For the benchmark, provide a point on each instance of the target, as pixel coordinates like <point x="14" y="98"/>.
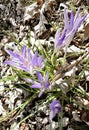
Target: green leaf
<point x="4" y="79"/>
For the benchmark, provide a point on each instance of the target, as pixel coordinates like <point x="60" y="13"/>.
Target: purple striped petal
<point x="52" y="115"/>
<point x="47" y="85"/>
<point x="29" y="55"/>
<point x="11" y="63"/>
<point x="34" y="59"/>
<point x="15" y="64"/>
<point x="57" y="35"/>
<point x="47" y="77"/>
<point x="69" y="38"/>
<point x="40" y="78"/>
<point x="15" y="55"/>
<point x="70" y="28"/>
<point x="39" y="61"/>
<point x="66" y="19"/>
<point x="37" y="85"/>
<point x="29" y="80"/>
<point x="79" y="21"/>
<point x="55" y="107"/>
<point x="41" y="92"/>
<point x="60" y="42"/>
<point x="11" y="53"/>
<point x="24" y="51"/>
<point x="71" y="21"/>
<point x="24" y="68"/>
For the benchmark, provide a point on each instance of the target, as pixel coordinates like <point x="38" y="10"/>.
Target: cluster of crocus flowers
<point x="25" y="60"/>
<point x="70" y="28"/>
<point x="42" y="83"/>
<point x="55" y="107"/>
<point x="31" y="62"/>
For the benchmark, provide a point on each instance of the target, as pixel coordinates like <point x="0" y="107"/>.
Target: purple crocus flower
<point x="55" y="107"/>
<point x="42" y="83"/>
<point x="25" y="60"/>
<point x="70" y="28"/>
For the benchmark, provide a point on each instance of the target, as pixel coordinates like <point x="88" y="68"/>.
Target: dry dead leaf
<point x="77" y="2"/>
<point x="86" y="32"/>
<point x="87" y="2"/>
<point x="86" y="102"/>
<point x="23" y="126"/>
<point x="40" y="2"/>
<point x="84" y="115"/>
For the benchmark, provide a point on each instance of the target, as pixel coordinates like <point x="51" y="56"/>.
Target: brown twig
<point x="66" y="68"/>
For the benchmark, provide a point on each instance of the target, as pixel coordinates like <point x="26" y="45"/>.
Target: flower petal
<point x="41" y="92"/>
<point x="39" y="61"/>
<point x="77" y="14"/>
<point x="66" y="19"/>
<point x="60" y="41"/>
<point x="40" y="78"/>
<point x="47" y="85"/>
<point x="24" y="51"/>
<point x="57" y="35"/>
<point x="47" y="77"/>
<point x="11" y="53"/>
<point x="71" y="21"/>
<point x="29" y="55"/>
<point x="37" y="85"/>
<point x="34" y="59"/>
<point x="52" y="115"/>
<point x="55" y="107"/>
